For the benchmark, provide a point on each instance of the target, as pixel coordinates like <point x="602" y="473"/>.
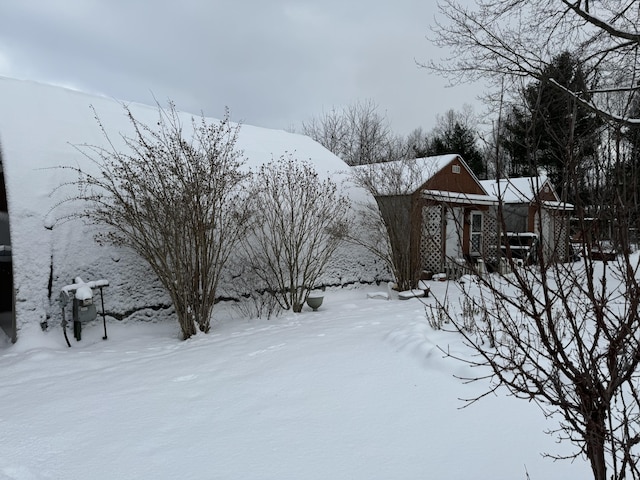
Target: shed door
<point x="453" y="232"/>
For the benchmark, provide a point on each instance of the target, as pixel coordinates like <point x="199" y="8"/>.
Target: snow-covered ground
<point x="356" y="390"/>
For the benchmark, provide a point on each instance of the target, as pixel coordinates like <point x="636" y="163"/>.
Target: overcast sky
<point x="274" y="63"/>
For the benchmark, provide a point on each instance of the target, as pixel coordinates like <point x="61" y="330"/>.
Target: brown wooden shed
<point x="442" y="207"/>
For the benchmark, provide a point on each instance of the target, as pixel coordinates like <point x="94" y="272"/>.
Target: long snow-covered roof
<point x="35" y="116"/>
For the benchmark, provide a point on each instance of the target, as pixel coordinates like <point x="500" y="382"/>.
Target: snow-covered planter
<point x="315" y="301"/>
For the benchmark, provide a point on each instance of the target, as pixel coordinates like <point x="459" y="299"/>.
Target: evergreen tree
<point x="551" y="130"/>
<point x="453" y="136"/>
<point x="513" y="139"/>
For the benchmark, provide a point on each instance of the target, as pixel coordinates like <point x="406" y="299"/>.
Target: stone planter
<point x="315" y="301"/>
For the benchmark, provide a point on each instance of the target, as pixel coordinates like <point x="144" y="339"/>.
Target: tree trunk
<point x="187" y="325"/>
<point x="185" y="318"/>
<point x="595" y="438"/>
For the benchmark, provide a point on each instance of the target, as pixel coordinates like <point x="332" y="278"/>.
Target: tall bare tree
<point x="174" y="194"/>
<point x="519" y="38"/>
<point x="358" y="134"/>
<point x="565" y="335"/>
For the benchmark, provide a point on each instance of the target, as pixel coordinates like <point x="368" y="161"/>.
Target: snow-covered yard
<point x="356" y="390"/>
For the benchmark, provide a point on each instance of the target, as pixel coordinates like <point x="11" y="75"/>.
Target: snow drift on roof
<point x="403" y="177"/>
<point x="515" y="190"/>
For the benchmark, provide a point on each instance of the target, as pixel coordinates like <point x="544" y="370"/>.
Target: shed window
<point x="476" y="233"/>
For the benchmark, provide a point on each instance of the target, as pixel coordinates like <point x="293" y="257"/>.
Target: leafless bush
<point x="254" y="301"/>
<point x="299" y="222"/>
<point x="437" y="315"/>
<point x="565" y="335"/>
<point x="176" y="199"/>
<point x="385" y="227"/>
<point x="569" y="342"/>
<point x="259" y="305"/>
<point x="470" y="310"/>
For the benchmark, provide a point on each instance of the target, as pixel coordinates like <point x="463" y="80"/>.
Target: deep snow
<point x="356" y="390"/>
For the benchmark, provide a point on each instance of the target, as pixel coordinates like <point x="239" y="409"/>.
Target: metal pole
<point x="64" y="328"/>
<point x="104" y="319"/>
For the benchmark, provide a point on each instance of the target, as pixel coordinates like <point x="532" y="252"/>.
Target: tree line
<point x="359" y="134"/>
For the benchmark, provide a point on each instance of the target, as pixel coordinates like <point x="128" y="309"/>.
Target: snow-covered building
<point x="39" y="126"/>
<point x="442" y="205"/>
<point x="531" y="205"/>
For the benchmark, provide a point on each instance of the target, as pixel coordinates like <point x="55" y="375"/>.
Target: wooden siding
<point x="547" y="194"/>
<point x="447" y="180"/>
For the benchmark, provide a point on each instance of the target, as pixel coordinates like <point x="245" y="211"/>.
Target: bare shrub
<point x="252" y="301"/>
<point x="436" y="315"/>
<point x="176" y="199"/>
<point x="299" y="222"/>
<point x="385" y="227"/>
<point x="565" y="335"/>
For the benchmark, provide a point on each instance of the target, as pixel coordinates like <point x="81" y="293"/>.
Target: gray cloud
<point x="275" y="63"/>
